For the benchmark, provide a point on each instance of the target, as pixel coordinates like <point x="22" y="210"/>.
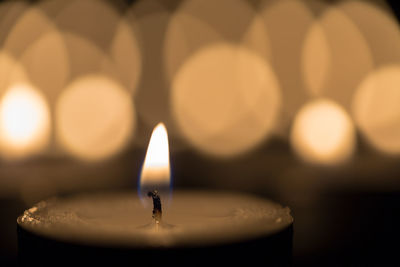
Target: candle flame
<point x="155" y="173"/>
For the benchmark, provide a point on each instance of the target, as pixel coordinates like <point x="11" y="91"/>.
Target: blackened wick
<point x="157" y="211"/>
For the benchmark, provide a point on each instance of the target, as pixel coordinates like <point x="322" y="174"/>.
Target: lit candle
<point x="195" y="227"/>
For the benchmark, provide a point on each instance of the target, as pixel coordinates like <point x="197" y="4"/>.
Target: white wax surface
<point x="193" y="218"/>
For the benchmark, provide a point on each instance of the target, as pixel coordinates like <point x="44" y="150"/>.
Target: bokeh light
<point x="198" y="23"/>
<point x="30" y="25"/>
<point x="152" y="49"/>
<point x="376" y="109"/>
<point x="379" y="28"/>
<point x="285" y="36"/>
<point x="46" y="64"/>
<point x="126" y="54"/>
<point x="335" y="58"/>
<point x="323" y="133"/>
<point x="8" y="69"/>
<point x="24" y="121"/>
<point x="86" y="57"/>
<point x="316" y="59"/>
<point x="151" y="98"/>
<point x="10" y="12"/>
<point x="92" y="19"/>
<point x="225" y="100"/>
<point x="193" y="25"/>
<point x="94" y="118"/>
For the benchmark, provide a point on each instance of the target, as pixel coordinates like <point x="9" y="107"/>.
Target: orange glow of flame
<point x="155" y="173"/>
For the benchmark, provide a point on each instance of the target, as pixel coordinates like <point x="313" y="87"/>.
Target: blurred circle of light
<point x="92" y="19"/>
<point x="316" y="59"/>
<point x="85" y="57"/>
<point x="26" y="30"/>
<point x="376" y="109"/>
<point x="113" y="50"/>
<point x="285" y="35"/>
<point x="198" y="23"/>
<point x="378" y="26"/>
<point x="7" y="66"/>
<point x="335" y="57"/>
<point x="94" y="118"/>
<point x="24" y="121"/>
<point x="322" y="133"/>
<point x="225" y="100"/>
<point x="46" y="64"/>
<point x="152" y="94"/>
<point x="10" y="13"/>
<point x="126" y="54"/>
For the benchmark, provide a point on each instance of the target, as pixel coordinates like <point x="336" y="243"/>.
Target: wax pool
<point x="115" y="226"/>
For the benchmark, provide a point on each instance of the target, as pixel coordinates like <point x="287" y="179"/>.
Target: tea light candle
<point x="195" y="228"/>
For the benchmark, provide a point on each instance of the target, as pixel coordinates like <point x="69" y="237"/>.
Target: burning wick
<point x="157" y="212"/>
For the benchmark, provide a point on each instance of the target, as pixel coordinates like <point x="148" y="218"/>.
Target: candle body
<point x="197" y="227"/>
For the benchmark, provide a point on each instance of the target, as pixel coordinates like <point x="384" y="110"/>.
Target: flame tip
<point x="160" y="125"/>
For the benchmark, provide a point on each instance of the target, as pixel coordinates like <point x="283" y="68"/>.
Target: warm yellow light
<point x="126" y="55"/>
<point x="24" y="121"/>
<point x="94" y="118"/>
<point x="46" y="64"/>
<point x="27" y="27"/>
<point x="11" y="71"/>
<point x="335" y="56"/>
<point x="156" y="168"/>
<point x="225" y="100"/>
<point x="323" y="133"/>
<point x="379" y="28"/>
<point x="376" y="109"/>
<point x="285" y="37"/>
<point x="152" y="92"/>
<point x="197" y="23"/>
<point x="82" y="18"/>
<point x="316" y="59"/>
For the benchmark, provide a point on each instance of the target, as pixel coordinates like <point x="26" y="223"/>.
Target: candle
<point x="191" y="228"/>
